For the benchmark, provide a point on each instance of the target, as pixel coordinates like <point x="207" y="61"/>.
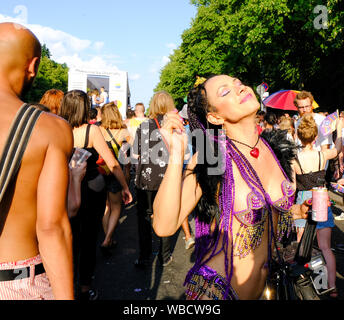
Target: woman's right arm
<point x="177" y="195"/>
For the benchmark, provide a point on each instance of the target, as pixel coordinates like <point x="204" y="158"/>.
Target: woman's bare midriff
<point x="250" y="272"/>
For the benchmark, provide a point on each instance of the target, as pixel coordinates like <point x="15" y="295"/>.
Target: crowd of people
<point x="219" y="159"/>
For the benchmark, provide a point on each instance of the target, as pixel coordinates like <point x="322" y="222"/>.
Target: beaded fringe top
<point x="252" y="220"/>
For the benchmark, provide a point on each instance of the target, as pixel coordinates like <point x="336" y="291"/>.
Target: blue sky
<point x="134" y="35"/>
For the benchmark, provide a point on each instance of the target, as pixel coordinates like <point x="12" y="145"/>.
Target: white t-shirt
<point x="94" y="101"/>
<point x="104" y="95"/>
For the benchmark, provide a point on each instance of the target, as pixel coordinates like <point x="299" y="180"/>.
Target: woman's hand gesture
<point x="173" y="132"/>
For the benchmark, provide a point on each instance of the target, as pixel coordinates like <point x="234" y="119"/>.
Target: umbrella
<point x="284" y="100"/>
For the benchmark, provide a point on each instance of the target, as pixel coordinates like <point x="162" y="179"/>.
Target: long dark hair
<point x="75" y="108"/>
<point x="198" y="107"/>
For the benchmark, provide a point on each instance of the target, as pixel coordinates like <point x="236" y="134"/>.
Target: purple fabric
<point x="207" y="272"/>
<point x="211" y="275"/>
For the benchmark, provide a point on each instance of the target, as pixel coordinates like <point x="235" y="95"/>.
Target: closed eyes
<point x="225" y="92"/>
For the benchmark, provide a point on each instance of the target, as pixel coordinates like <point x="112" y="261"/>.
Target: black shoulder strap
<point x="113" y="138"/>
<point x="319" y="160"/>
<point x="87" y="135"/>
<point x="17" y="140"/>
<point x="298" y="162"/>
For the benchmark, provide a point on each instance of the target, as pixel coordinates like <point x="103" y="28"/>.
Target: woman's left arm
<point x="299" y="211"/>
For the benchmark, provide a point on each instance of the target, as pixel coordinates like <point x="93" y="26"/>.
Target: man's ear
<point x="33" y="67"/>
<point x="215" y="119"/>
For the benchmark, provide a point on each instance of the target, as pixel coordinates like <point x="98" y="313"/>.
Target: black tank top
<point x="91" y="169"/>
<point x="308" y="181"/>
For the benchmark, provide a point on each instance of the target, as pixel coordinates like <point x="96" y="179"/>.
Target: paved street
<point x="117" y="278"/>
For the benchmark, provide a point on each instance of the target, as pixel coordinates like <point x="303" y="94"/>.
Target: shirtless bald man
<point x="36" y="231"/>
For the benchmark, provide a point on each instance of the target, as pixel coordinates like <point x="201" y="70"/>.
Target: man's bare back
<point x="35" y="209"/>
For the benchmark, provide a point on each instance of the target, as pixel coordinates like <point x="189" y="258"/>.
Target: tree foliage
<point x="274" y="41"/>
<point x="51" y="75"/>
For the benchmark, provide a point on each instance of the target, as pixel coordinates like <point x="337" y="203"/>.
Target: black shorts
<point x="112" y="184"/>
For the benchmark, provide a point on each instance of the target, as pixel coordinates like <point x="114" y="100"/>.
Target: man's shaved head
<point x="20" y="53"/>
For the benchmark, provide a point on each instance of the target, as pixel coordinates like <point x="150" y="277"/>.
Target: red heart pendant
<point x="254" y="152"/>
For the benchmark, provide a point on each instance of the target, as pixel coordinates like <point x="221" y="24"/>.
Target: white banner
<point x="114" y="82"/>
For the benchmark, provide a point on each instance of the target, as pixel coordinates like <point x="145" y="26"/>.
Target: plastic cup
<point x="79" y="156"/>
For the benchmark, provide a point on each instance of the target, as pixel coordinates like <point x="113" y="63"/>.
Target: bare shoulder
<point x="55" y="130"/>
<point x="96" y="129"/>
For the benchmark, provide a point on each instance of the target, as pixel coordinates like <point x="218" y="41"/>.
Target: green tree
<point x="271" y="40"/>
<point x="51" y="75"/>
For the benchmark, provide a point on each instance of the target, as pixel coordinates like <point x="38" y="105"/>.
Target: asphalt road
<point x="117" y="278"/>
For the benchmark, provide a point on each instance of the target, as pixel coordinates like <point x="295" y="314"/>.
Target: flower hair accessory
<point x="199" y="81"/>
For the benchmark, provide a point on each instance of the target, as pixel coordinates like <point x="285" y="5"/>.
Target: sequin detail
<point x="207" y="281"/>
<point x="252" y="220"/>
<point x="285" y="203"/>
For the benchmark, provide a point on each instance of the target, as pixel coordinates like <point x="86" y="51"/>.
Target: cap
<point x="184" y="112"/>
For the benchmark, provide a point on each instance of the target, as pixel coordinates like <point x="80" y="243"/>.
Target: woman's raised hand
<point x="174" y="134"/>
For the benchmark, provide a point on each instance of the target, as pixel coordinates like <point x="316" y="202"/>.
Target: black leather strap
<point x="87" y="137"/>
<point x="20" y="273"/>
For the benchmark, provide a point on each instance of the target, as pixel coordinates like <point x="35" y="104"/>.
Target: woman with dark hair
<point x="242" y="203"/>
<point x="270" y="121"/>
<point x="75" y="109"/>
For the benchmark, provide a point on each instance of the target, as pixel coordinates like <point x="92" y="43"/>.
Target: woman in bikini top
<point x="242" y="202"/>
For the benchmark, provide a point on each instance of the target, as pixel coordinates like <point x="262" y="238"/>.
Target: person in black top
<point x="75" y="109"/>
<point x="309" y="170"/>
<point x="152" y="153"/>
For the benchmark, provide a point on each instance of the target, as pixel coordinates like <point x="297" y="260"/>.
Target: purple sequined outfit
<point x="203" y="280"/>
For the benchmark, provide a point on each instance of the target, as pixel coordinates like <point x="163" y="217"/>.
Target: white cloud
<point x="59" y="42"/>
<point x="159" y="64"/>
<point x="164" y="60"/>
<point x="171" y="46"/>
<point x="134" y="77"/>
<point x="65" y="47"/>
<point x="95" y="62"/>
<point x="21" y="17"/>
<point x="98" y="45"/>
